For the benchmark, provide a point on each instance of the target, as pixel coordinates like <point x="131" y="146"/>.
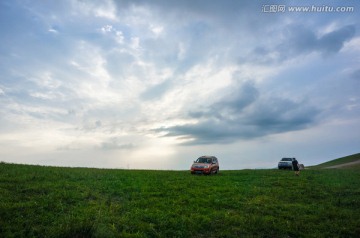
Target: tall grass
<point x="63" y="202"/>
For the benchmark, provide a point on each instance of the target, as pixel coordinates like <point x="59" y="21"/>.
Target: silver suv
<point x="285" y="163"/>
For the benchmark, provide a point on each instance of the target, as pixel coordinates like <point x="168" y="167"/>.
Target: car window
<point x="201" y="160"/>
<point x="206" y="160"/>
<point x="286" y="159"/>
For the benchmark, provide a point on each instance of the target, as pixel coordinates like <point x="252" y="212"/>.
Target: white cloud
<point x="119" y="37"/>
<point x="181" y="51"/>
<point x="53" y="30"/>
<point x="157" y="30"/>
<point x="107" y="28"/>
<point x="135" y="43"/>
<point x="102" y="9"/>
<point x="46" y="80"/>
<point x="352" y="45"/>
<point x="92" y="78"/>
<point x="115" y="143"/>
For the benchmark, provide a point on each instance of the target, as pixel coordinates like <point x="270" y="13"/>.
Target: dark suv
<point x="205" y="165"/>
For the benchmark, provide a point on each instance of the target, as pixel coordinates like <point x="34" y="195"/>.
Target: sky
<point x="136" y="84"/>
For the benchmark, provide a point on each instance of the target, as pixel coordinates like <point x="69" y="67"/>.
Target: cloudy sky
<point x="155" y="84"/>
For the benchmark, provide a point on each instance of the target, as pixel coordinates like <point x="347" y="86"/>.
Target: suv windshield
<point x="286" y="159"/>
<point x="203" y="160"/>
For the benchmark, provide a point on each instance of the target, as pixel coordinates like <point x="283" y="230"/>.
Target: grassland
<point x="340" y="161"/>
<point x="40" y="201"/>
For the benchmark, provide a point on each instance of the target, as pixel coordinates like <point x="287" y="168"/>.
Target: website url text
<point x="313" y="8"/>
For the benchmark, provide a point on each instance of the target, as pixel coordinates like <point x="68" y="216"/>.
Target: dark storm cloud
<point x="332" y="42"/>
<point x="234" y="101"/>
<point x="274" y="115"/>
<point x="244" y="114"/>
<point x="300" y="40"/>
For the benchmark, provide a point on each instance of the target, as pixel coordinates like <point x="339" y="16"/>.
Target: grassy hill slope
<point x="340" y="161"/>
<point x="77" y="202"/>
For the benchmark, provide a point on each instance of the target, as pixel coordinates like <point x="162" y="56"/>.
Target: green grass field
<point x="339" y="161"/>
<point x="40" y="201"/>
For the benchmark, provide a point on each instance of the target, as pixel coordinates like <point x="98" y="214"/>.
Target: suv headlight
<point x="206" y="166"/>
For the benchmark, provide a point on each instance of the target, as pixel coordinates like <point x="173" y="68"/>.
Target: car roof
<point x="208" y="157"/>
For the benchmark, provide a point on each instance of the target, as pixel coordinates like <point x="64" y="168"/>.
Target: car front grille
<point x="199" y="167"/>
